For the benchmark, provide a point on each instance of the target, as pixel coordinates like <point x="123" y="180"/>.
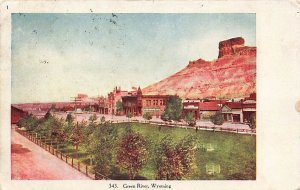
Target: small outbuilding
<point x="17" y="114"/>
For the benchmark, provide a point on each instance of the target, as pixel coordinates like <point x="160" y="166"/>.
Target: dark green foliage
<point x="235" y="153"/>
<point x="77" y="135"/>
<point x="217" y="118"/>
<point x="147" y="116"/>
<point x="102" y="119"/>
<point x="253" y="121"/>
<point x="119" y="107"/>
<point x="45" y="126"/>
<point x="189" y="118"/>
<point x="173" y="109"/>
<point x="29" y="122"/>
<point x="70" y="118"/>
<point x="100" y="143"/>
<point x="93" y="118"/>
<point x="129" y="115"/>
<point x="132" y="153"/>
<point x="48" y="115"/>
<point x="175" y="161"/>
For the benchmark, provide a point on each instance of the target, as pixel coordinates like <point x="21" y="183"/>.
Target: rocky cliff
<point x="232" y="75"/>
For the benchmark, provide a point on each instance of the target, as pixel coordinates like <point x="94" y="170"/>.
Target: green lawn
<point x="234" y="153"/>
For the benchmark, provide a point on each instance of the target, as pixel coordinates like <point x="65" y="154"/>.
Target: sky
<point x="57" y="56"/>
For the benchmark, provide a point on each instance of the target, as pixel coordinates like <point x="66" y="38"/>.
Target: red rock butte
<point x="232" y="75"/>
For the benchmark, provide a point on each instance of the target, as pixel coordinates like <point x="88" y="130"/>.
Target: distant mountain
<point x="232" y="75"/>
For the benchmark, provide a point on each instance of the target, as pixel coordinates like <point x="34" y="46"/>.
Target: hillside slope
<point x="232" y="75"/>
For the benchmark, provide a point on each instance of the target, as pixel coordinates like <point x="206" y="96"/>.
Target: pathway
<point x="31" y="162"/>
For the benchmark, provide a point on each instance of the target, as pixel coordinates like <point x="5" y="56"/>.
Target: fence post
<point x="60" y="155"/>
<point x="66" y="158"/>
<point x="78" y="166"/>
<point x="72" y="163"/>
<point x="86" y="170"/>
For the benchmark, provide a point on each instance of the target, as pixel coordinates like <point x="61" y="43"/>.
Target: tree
<point x="217" y="118"/>
<point x="103" y="147"/>
<point x="173" y="109"/>
<point x="147" y="116"/>
<point x="129" y="115"/>
<point x="77" y="136"/>
<point x="70" y="118"/>
<point x="189" y="118"/>
<point x="45" y="126"/>
<point x="102" y="119"/>
<point x="48" y="115"/>
<point x="253" y="121"/>
<point x="132" y="153"/>
<point x="175" y="161"/>
<point x="119" y="107"/>
<point x="93" y="118"/>
<point x="29" y="122"/>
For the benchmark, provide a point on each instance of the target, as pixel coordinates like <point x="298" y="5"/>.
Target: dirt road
<point x="31" y="162"/>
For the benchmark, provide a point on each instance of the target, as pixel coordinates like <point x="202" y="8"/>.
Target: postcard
<point x="150" y="95"/>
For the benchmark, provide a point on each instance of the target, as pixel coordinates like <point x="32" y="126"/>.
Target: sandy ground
<point x="31" y="162"/>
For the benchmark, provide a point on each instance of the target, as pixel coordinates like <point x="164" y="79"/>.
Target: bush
<point x="189" y="118"/>
<point x="29" y="122"/>
<point x="102" y="119"/>
<point x="253" y="121"/>
<point x="147" y="116"/>
<point x="217" y="118"/>
<point x="129" y="115"/>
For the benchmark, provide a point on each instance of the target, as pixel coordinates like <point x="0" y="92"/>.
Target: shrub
<point x="147" y="116"/>
<point x="189" y="118"/>
<point x="217" y="118"/>
<point x="253" y="121"/>
<point x="129" y="115"/>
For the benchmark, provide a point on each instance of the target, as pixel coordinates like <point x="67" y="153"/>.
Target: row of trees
<point x="112" y="152"/>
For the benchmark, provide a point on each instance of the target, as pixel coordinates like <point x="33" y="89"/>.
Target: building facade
<point x="112" y="99"/>
<point x="139" y="104"/>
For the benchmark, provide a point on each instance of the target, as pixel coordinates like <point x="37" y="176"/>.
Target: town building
<point x="139" y="104"/>
<point x="238" y="110"/>
<point x="191" y="106"/>
<point x="201" y="110"/>
<point x="16" y="114"/>
<point x="113" y="97"/>
<point x="207" y="109"/>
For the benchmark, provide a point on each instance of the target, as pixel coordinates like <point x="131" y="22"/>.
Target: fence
<point x="200" y="127"/>
<point x="74" y="163"/>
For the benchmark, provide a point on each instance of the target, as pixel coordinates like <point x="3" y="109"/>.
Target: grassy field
<point x="233" y="154"/>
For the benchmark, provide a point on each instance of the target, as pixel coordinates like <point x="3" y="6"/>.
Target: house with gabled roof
<point x="207" y="109"/>
<point x="232" y="111"/>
